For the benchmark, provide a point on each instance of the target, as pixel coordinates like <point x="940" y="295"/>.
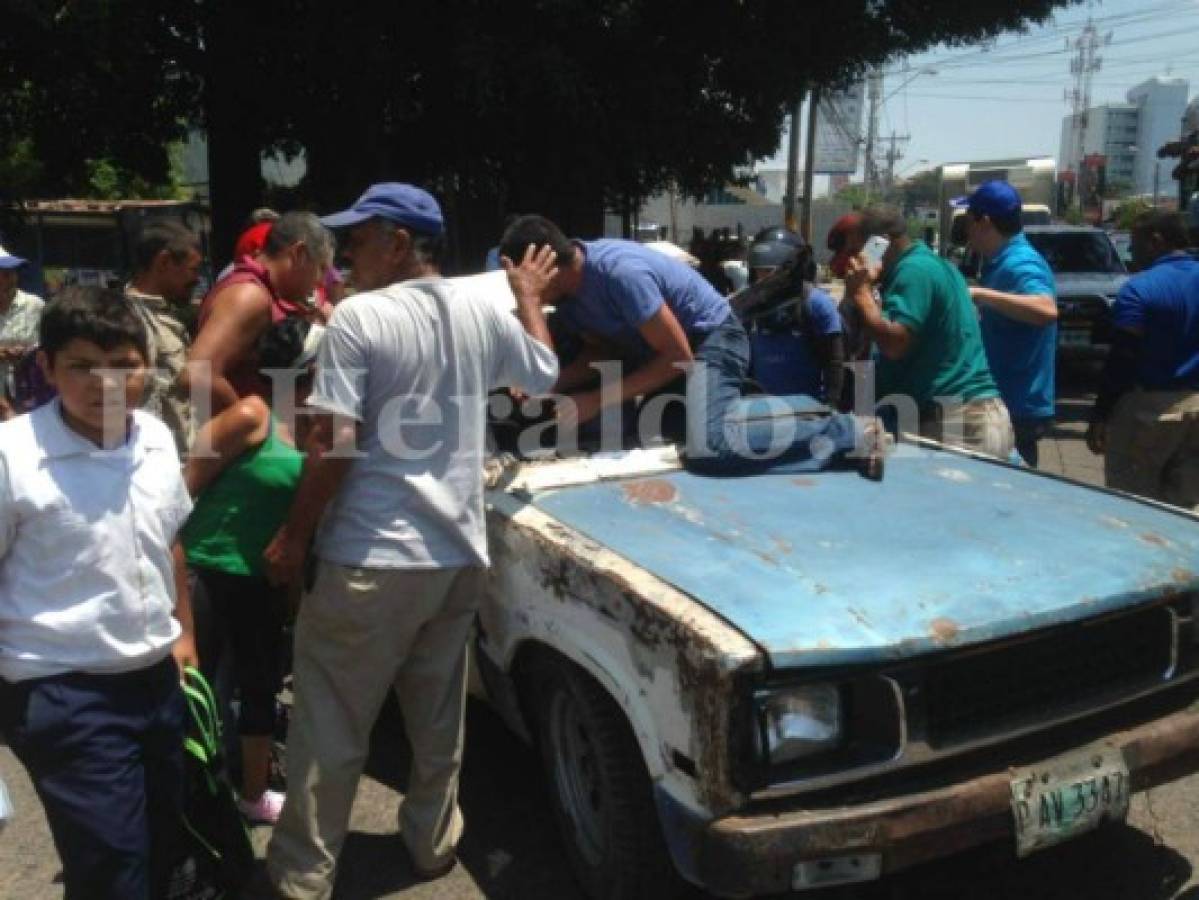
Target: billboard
<point x="839" y="130"/>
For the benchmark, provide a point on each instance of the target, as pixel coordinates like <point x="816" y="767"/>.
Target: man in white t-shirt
<point x="396" y="482"/>
<point x="20" y="313"/>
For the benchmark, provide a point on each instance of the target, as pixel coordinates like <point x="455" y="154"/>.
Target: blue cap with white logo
<point x="404" y="204"/>
<point x="996" y="199"/>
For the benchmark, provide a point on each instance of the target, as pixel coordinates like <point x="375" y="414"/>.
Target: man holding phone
<point x="928" y="337"/>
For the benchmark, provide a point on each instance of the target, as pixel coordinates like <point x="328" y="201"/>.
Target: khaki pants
<point x="361" y="632"/>
<point x="1153" y="446"/>
<point x="983" y="426"/>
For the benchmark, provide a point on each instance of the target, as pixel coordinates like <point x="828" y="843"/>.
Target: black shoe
<point x="436" y="872"/>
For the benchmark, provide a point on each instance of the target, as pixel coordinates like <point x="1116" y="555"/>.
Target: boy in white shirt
<point x="93" y="603"/>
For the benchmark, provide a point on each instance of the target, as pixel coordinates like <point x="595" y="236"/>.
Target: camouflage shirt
<point x="168" y="342"/>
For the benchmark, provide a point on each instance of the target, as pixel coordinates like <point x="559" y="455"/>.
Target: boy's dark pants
<point x="105" y="753"/>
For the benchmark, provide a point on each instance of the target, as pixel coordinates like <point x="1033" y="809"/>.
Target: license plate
<point x="1068" y="796"/>
<point x="1077" y="338"/>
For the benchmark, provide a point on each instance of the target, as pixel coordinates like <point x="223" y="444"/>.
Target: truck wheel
<point x="600" y="789"/>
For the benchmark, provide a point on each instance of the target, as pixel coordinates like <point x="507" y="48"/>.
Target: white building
<point x="1128" y="134"/>
<point x="1163" y="102"/>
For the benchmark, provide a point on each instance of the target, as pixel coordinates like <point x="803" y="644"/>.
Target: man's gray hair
<point x="885" y="220"/>
<point x="429" y="249"/>
<point x="300" y="228"/>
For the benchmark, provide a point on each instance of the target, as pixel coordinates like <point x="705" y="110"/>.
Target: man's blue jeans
<point x="731" y="435"/>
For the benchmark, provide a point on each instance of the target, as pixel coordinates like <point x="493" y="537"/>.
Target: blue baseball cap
<point x="8" y="261"/>
<point x="996" y="199"/>
<point x="404" y="204"/>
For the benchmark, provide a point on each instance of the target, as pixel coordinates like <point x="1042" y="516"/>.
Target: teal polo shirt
<point x="1022" y="356"/>
<point x="928" y="296"/>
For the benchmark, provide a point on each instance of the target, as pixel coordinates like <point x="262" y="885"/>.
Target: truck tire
<point x="599" y="788"/>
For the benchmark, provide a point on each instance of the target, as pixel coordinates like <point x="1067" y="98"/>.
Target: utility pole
<point x="789" y="197"/>
<point x="1083" y="66"/>
<point x="893" y="155"/>
<point x="874" y="96"/>
<point x="809" y="171"/>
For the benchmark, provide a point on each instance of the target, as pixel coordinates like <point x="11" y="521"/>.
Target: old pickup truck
<point x="789" y="682"/>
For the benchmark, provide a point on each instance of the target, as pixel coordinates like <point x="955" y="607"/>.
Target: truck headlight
<point x="798" y="722"/>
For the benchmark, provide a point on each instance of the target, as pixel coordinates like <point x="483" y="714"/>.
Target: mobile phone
<point x="874" y="250"/>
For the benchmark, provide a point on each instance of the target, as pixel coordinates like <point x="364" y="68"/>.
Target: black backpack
<point x="214" y="857"/>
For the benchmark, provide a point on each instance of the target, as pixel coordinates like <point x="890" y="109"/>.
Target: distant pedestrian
<point x="1146" y="417"/>
<point x="167" y="262"/>
<point x="241" y="307"/>
<point x="929" y="340"/>
<point x="20" y="313"/>
<point x="94" y="605"/>
<point x="1017" y="302"/>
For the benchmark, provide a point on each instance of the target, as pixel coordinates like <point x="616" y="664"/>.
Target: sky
<point x="1007" y="99"/>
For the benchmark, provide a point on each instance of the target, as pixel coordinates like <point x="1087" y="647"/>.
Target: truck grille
<point x="1047" y="676"/>
<point x="1083" y="307"/>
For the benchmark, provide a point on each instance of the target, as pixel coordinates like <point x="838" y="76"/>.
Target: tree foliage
<point x="560" y="105"/>
<point x="921" y="189"/>
<point x="1127" y="212"/>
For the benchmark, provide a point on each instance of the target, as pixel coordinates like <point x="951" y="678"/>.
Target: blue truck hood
<point x="831" y="569"/>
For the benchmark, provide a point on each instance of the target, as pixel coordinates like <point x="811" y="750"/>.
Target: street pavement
<point x="512" y="849"/>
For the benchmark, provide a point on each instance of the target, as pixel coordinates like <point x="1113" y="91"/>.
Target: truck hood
<point x="832" y="569"/>
<point x="1073" y="283"/>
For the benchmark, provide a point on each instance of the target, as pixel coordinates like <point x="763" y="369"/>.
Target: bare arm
<point x="331" y="448"/>
<point x="529" y="282"/>
<point x="672" y="357"/>
<point x="227" y="337"/>
<point x="893" y="339"/>
<point x="223" y="438"/>
<point x="1032" y="309"/>
<point x="184" y="650"/>
<point x="578" y="373"/>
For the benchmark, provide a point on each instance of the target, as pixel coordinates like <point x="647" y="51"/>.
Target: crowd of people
<point x="309" y="442"/>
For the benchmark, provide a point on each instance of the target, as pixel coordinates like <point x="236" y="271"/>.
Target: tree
<point x="855" y="196"/>
<point x="564" y="106"/>
<point x="1126" y="213"/>
<point x="921" y="189"/>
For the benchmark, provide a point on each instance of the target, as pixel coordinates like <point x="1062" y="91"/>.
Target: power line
<point x="1048" y="34"/>
<point x="1011" y="99"/>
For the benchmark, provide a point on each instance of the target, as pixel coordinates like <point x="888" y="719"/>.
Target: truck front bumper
<point x="748" y="855"/>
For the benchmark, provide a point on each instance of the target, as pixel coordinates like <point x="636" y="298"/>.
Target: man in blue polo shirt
<point x="661" y="319"/>
<point x="1146" y="417"/>
<point x="1018" y="307"/>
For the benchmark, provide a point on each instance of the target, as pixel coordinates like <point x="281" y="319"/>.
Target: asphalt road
<point x="511" y="847"/>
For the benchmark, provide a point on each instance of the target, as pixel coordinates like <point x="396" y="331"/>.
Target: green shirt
<point x="946" y="358"/>
<point x="238" y="514"/>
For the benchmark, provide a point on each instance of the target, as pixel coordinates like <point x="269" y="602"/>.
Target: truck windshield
<point x="1077" y="251"/>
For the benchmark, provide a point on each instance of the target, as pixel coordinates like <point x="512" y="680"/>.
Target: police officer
<point x="796" y="333"/>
